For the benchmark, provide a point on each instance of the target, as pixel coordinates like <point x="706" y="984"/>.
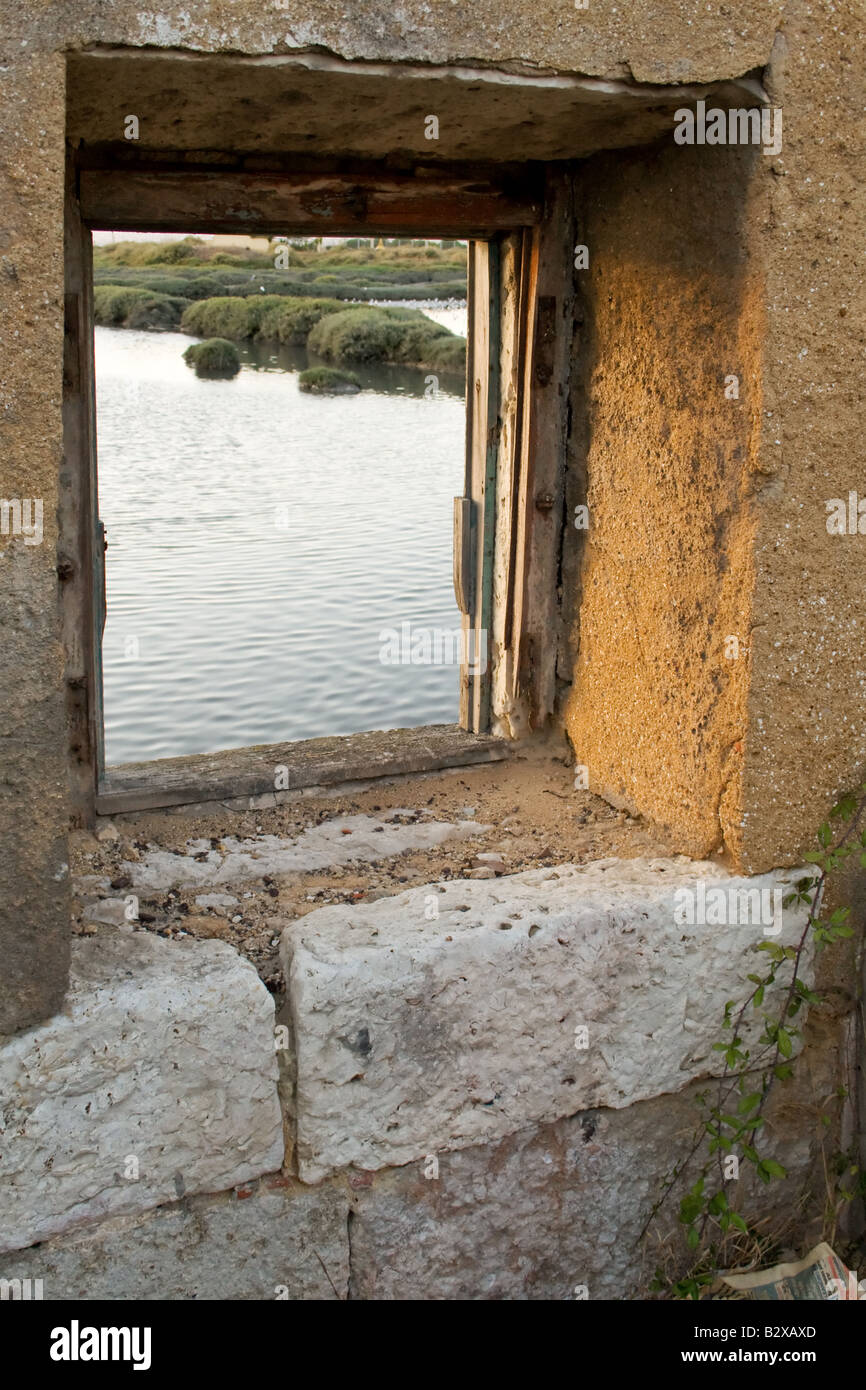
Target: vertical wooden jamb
<point x="536" y="461"/>
<point x="466" y="609"/>
<point x="97" y="531"/>
<point x="477" y="356"/>
<point x="483" y="650"/>
<point x="521" y="461"/>
<point x="511" y="248"/>
<point x="544" y="495"/>
<point x="482" y="436"/>
<point x="79" y="566"/>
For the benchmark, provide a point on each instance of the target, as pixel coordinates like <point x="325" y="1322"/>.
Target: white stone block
<point x="157" y="1080"/>
<point x="542" y="1212"/>
<point x="275" y="1241"/>
<point x="418" y="1032"/>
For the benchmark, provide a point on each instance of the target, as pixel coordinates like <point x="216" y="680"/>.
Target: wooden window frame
<point x="508" y="521"/>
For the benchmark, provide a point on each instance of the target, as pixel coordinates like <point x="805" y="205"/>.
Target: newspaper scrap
<point x="819" y="1276"/>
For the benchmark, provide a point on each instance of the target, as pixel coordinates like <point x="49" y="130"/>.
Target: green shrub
<point x="291" y="322"/>
<point x="171" y="253"/>
<point x="153" y="279"/>
<point x="211" y="284"/>
<point x="111" y="303"/>
<point x="416" y="339"/>
<point x="258" y="306"/>
<point x="265" y="316"/>
<point x="227" y="317"/>
<point x="157" y="312"/>
<point x="214" y="357"/>
<point x="428" y="344"/>
<point x="195" y="281"/>
<point x="386" y="335"/>
<point x="356" y="335"/>
<point x="122" y="306"/>
<point x="331" y="329"/>
<point x="448" y="354"/>
<point x="329" y="381"/>
<point x="177" y="285"/>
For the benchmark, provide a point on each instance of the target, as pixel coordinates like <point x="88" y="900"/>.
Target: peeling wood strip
<point x="523" y="655"/>
<point x="519" y="424"/>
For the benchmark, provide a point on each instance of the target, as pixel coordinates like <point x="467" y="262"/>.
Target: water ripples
<point x="260" y="541"/>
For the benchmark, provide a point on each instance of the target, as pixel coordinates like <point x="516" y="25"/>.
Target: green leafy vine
<point x="732" y="1112"/>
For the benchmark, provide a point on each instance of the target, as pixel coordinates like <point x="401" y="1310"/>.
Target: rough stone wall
<point x="806" y="728"/>
<point x="666" y="462"/>
<point x="34" y="818"/>
<point x="651" y="42"/>
<point x="662" y="42"/>
<point x="444" y="1132"/>
<point x="789" y="704"/>
<point x="743" y="755"/>
<point x="795" y="714"/>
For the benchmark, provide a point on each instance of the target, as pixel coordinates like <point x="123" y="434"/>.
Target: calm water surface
<point x="261" y="540"/>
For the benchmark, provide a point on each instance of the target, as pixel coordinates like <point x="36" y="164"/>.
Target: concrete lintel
<point x="315" y="103"/>
<point x="514" y="74"/>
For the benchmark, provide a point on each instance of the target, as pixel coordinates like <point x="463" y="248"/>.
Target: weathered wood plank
<point x="463" y="553"/>
<point x="469" y="396"/>
<point x="292" y="767"/>
<point x="508" y="421"/>
<point x="548" y="427"/>
<point x="521" y="460"/>
<point x="482" y="432"/>
<point x="477" y="399"/>
<point x="531" y="509"/>
<point x="77" y="558"/>
<point x="487" y="461"/>
<point x="332" y="204"/>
